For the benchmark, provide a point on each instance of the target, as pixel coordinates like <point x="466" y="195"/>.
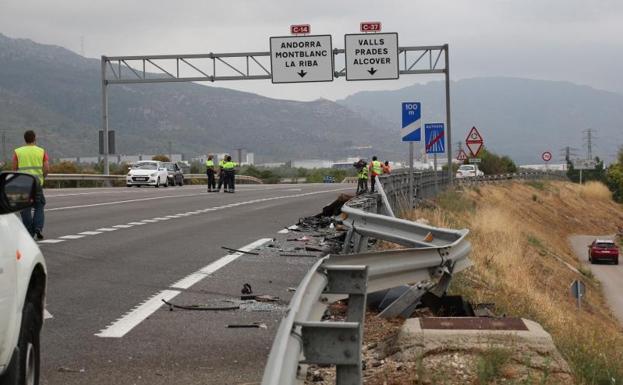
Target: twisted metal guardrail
<point x="432" y="255"/>
<point x="430" y="258"/>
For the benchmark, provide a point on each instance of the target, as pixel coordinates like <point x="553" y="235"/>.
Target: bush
<point x="160" y="157"/>
<point x="614" y="177"/>
<point x="492" y="163"/>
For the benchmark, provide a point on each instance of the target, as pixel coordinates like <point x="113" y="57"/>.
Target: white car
<point x="468" y="170"/>
<point x="147" y="173"/>
<point x="23" y="278"/>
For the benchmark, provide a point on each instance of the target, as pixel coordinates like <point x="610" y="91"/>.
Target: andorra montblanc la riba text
<point x="306" y="58"/>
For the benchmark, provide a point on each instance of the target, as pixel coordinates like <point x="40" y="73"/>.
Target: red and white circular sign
<point x="546" y="156"/>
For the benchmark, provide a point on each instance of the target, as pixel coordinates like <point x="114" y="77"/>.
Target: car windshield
<point x="146" y="166"/>
<point x="466" y="168"/>
<point x="170" y="166"/>
<point x="605" y="245"/>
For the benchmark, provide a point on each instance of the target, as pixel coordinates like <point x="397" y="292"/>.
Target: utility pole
<point x="170" y="152"/>
<point x="589" y="142"/>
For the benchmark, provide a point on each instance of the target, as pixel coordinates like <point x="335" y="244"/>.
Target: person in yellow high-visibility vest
<point x="210" y="171"/>
<point x="221" y="173"/>
<point x="230" y="175"/>
<point x="362" y="176"/>
<point x="33" y="160"/>
<point x="376" y="169"/>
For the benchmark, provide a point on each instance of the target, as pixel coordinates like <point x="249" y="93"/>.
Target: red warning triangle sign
<point x="474" y="141"/>
<point x="462" y="155"/>
<point x="474" y="136"/>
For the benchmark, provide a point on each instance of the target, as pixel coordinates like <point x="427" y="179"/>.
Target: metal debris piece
<point x="266" y="298"/>
<point x="298" y="255"/>
<point x="246" y="289"/>
<point x="258" y="325"/>
<point x="200" y="307"/>
<point x="239" y="251"/>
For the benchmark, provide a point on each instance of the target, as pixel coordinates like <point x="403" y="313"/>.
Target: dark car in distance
<point x="603" y="250"/>
<point x="174" y="174"/>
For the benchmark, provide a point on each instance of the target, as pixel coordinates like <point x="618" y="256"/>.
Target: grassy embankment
<point x="519" y="237"/>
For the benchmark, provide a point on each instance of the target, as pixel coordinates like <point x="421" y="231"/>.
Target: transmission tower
<point x="569" y="153"/>
<point x="589" y="141"/>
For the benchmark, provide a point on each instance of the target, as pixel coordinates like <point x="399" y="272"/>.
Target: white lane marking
<point x="124" y="201"/>
<point x="283" y="231"/>
<point x="205" y="271"/>
<point x="72" y="236"/>
<point x="90" y="233"/>
<point x="47" y="315"/>
<point x="175" y="216"/>
<point x="137" y="200"/>
<point x="129" y="321"/>
<point x="59" y="193"/>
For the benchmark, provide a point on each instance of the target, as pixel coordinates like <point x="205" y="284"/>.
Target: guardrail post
<point x="351" y="280"/>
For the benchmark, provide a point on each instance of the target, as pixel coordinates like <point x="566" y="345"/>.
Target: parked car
<point x="147" y="173"/>
<point x="603" y="250"/>
<point x="174" y="174"/>
<point x="23" y="278"/>
<point x="468" y="170"/>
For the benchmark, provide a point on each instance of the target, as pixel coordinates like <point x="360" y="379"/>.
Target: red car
<point x="603" y="250"/>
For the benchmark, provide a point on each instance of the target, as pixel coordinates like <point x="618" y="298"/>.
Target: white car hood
<point x="142" y="172"/>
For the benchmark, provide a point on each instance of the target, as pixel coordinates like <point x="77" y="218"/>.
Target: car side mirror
<point x="17" y="191"/>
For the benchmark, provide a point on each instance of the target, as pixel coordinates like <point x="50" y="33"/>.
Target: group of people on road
<point x="226" y="174"/>
<point x="370" y="171"/>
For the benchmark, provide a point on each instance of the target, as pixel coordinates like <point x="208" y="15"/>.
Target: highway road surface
<point x="114" y="253"/>
<point x="611" y="276"/>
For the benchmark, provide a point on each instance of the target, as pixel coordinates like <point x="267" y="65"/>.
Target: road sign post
<point x="371" y="56"/>
<point x="578" y="290"/>
<point x="411" y="132"/>
<point x="434" y="135"/>
<point x="301" y="59"/>
<point x="546" y="156"/>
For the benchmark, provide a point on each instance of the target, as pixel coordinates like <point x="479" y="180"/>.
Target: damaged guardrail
<point x="431" y="257"/>
<point x="122" y="178"/>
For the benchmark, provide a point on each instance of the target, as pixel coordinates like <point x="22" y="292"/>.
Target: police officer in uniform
<point x="210" y="170"/>
<point x="221" y="173"/>
<point x="229" y="169"/>
<point x="33" y="160"/>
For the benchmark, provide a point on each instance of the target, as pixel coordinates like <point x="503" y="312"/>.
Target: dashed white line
<point x="136" y="223"/>
<point x="52" y="241"/>
<point x="130" y="320"/>
<point x="72" y="236"/>
<point x="193" y="278"/>
<point x="123" y="226"/>
<point x="107" y="229"/>
<point x="90" y="233"/>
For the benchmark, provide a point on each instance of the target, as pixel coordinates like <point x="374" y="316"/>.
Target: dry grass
<point x="515" y="227"/>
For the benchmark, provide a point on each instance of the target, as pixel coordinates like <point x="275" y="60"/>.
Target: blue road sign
<point x="435" y="138"/>
<point x="411" y="122"/>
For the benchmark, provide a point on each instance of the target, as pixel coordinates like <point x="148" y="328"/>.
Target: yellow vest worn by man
<point x="30" y="160"/>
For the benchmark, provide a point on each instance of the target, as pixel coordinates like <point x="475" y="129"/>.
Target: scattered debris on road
<point x="258" y="325"/>
<point x="239" y="251"/>
<point x="200" y="307"/>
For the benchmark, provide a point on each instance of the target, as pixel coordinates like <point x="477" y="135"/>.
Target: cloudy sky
<point x="579" y="41"/>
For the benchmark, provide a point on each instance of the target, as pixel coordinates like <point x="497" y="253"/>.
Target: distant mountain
<point x="518" y="117"/>
<point x="57" y="92"/>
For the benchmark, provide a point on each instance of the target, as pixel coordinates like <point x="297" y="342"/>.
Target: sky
<point x="579" y="41"/>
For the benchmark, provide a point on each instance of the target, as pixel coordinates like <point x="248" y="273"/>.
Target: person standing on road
<point x="33" y="160"/>
<point x="210" y="171"/>
<point x="376" y="169"/>
<point x="221" y="173"/>
<point x="230" y="174"/>
<point x="387" y="169"/>
<point x="362" y="176"/>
